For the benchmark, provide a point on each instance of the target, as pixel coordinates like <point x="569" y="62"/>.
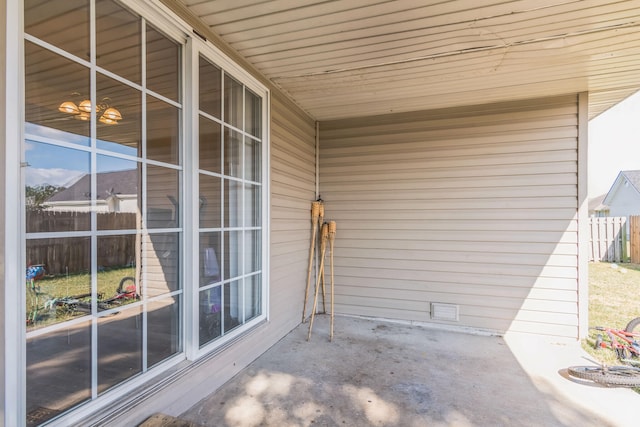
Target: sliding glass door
<point x="144" y="200"/>
<point x="103" y="189"/>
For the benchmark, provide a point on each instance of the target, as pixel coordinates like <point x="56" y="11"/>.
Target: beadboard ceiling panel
<point x="339" y="59"/>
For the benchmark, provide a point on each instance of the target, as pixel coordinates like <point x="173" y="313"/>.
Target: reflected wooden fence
<point x="634" y="233"/>
<point x="70" y="255"/>
<point x="608" y="240"/>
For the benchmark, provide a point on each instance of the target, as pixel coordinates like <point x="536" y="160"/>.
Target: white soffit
<point x="341" y="59"/>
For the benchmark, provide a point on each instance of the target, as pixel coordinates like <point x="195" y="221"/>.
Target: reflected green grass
<point x="40" y="299"/>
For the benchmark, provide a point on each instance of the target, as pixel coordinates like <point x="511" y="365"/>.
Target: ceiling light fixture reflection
<point x="107" y="115"/>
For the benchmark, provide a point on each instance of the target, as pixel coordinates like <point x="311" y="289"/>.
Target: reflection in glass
<point x="163" y="329"/>
<point x="210" y="251"/>
<point x="252" y="297"/>
<point x="209" y="90"/>
<point x="209" y="143"/>
<point x="161" y="259"/>
<point x="118" y="193"/>
<point x="210" y="314"/>
<point x="252" y="205"/>
<point x="163" y="197"/>
<point x="58" y="371"/>
<point x="122" y="135"/>
<point x="58" y="280"/>
<point x="252" y="251"/>
<point x="42" y="98"/>
<point x="232" y="102"/>
<point x="57" y="198"/>
<point x="252" y="160"/>
<point x="163" y="131"/>
<point x="210" y="201"/>
<point x="119" y="347"/>
<point x="118" y="275"/>
<point x="163" y="65"/>
<point x="232" y="203"/>
<point x="50" y="21"/>
<point x="232" y="153"/>
<point x="118" y="40"/>
<point x="232" y="254"/>
<point x="253" y="114"/>
<point x="232" y="305"/>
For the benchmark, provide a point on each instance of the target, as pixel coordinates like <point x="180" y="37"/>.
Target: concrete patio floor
<point x="378" y="373"/>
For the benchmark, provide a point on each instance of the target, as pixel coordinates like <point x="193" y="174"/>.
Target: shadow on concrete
<point x="376" y="373"/>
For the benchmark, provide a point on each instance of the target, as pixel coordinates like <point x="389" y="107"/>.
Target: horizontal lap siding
<point x="474" y="206"/>
<point x="292" y="190"/>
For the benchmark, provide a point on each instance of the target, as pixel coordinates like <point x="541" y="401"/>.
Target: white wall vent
<point x="442" y="311"/>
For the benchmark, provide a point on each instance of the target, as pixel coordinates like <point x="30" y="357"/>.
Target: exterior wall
<point x="625" y="201"/>
<point x="474" y="206"/>
<point x="293" y="157"/>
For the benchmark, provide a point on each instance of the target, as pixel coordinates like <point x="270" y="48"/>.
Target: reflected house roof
<point x="123" y="182"/>
<point x="596" y="204"/>
<point x="632" y="177"/>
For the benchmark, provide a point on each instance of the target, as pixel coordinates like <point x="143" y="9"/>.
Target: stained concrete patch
<point x="387" y="374"/>
<point x="418" y="394"/>
<point x="162" y="420"/>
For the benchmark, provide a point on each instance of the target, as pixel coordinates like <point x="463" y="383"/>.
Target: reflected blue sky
<point x="61" y="166"/>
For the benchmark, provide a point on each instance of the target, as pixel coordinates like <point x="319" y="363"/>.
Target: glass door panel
<point x="104" y="182"/>
<point x="163" y="64"/>
<point x="58" y="280"/>
<point x="163" y="131"/>
<point x="163" y="329"/>
<point x="61" y="358"/>
<point x="43" y="19"/>
<point x="209" y="145"/>
<point x="119" y="347"/>
<point x="57" y="188"/>
<point x="210" y="88"/>
<point x="54" y="89"/>
<point x="119" y="40"/>
<point x="119" y="114"/>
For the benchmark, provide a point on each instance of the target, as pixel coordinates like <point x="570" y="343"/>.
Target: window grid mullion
<point x="93" y="170"/>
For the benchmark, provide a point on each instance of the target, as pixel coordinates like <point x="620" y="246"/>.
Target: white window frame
<point x="210" y="52"/>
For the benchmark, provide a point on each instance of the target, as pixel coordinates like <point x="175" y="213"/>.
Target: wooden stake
<point x="324" y="293"/>
<point x="332" y="237"/>
<point x="323" y="247"/>
<point x="315" y="214"/>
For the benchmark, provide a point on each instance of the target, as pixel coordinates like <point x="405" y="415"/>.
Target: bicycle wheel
<point x="633" y="326"/>
<point x="626" y="376"/>
<point x="130" y="287"/>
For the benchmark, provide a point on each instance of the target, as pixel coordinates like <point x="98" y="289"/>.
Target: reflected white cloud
<point x="52" y="176"/>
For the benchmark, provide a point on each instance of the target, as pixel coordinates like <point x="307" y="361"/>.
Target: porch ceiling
<point x="340" y="59"/>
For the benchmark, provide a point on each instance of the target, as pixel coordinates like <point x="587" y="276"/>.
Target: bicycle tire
<point x="626" y="376"/>
<point x="633" y="326"/>
<point x="122" y="289"/>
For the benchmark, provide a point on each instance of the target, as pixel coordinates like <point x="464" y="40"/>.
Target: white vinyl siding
<point x="292" y="190"/>
<point x="473" y="206"/>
